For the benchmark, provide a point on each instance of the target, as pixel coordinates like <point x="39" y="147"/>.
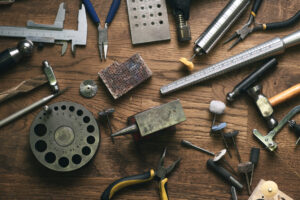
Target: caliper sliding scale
<point x="44" y="33"/>
<point x="265" y="50"/>
<point x="267" y="140"/>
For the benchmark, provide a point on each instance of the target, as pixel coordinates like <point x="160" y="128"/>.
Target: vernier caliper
<point x="44" y="33"/>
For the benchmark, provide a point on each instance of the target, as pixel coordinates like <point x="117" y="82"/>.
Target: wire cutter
<point x="102" y="32"/>
<point x="251" y="26"/>
<point x="160" y="174"/>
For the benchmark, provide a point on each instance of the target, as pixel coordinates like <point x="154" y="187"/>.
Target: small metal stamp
<point x="121" y="78"/>
<point x="88" y="88"/>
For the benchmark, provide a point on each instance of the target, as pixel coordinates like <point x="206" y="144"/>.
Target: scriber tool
<point x="102" y="32"/>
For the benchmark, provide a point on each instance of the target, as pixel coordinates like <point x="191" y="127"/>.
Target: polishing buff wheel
<point x="187" y="63"/>
<point x="65" y="138"/>
<point x="269" y="189"/>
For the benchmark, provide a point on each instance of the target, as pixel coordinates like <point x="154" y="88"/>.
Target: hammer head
<point x="263" y="105"/>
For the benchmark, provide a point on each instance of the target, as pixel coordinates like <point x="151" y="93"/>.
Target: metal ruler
<point x="270" y="48"/>
<point x="52" y="33"/>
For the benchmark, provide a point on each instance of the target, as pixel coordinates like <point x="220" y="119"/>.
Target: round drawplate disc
<point x="66" y="138"/>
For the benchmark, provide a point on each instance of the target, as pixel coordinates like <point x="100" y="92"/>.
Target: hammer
<point x="265" y="105"/>
<point x="30" y="84"/>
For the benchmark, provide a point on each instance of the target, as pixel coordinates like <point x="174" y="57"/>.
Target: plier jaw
<point x="102" y="41"/>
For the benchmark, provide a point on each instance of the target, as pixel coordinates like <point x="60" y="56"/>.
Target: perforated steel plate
<point x="148" y="20"/>
<point x="66" y="138"/>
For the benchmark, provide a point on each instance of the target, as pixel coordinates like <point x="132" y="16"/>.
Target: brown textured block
<point x="121" y="78"/>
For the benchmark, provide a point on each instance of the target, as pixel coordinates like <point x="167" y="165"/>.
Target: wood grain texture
<point x="22" y="177"/>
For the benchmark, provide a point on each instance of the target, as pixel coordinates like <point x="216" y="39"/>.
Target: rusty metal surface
<point x="121" y="78"/>
<point x="160" y="117"/>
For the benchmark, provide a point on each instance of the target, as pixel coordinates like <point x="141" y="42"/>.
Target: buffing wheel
<point x="66" y="138"/>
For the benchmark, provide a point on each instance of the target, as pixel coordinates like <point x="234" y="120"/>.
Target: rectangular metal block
<point x="121" y="78"/>
<point x="148" y="20"/>
<point x="160" y="117"/>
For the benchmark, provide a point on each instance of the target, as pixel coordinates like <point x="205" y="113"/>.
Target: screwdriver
<point x="254" y="157"/>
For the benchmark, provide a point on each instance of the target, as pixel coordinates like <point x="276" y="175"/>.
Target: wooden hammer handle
<point x="285" y="95"/>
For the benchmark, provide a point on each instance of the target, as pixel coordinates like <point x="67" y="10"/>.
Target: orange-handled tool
<point x="285" y="95"/>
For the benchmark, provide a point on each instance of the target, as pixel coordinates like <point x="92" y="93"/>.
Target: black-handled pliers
<point x="161" y="174"/>
<point x="251" y="26"/>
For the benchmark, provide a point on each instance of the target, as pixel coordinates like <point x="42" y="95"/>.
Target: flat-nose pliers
<point x="160" y="174"/>
<point x="102" y="32"/>
<point x="251" y="26"/>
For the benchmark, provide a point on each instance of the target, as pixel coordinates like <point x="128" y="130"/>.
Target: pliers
<point x="160" y="174"/>
<point x="102" y="32"/>
<point x="251" y="26"/>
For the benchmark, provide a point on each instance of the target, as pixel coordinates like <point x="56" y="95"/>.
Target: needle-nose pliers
<point x="251" y="26"/>
<point x="160" y="174"/>
<point x="102" y="32"/>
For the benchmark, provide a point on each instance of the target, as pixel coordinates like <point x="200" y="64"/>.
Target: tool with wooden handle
<point x="23" y="87"/>
<point x="265" y="105"/>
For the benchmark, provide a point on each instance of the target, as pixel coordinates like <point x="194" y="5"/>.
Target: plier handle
<point x="160" y="174"/>
<point x="251" y="26"/>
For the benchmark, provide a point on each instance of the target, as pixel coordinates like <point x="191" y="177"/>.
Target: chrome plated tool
<point x="102" y="32"/>
<point x="12" y="56"/>
<point x="232" y="136"/>
<point x="245" y="168"/>
<point x="29" y="108"/>
<point x="221" y="24"/>
<point x="220" y="158"/>
<point x="160" y="174"/>
<point x="267" y="140"/>
<point x="233" y="193"/>
<point x="54" y="33"/>
<point x="148" y="21"/>
<point x="251" y="26"/>
<point x="267" y="49"/>
<point x="64" y="136"/>
<point x="189" y="144"/>
<point x="105" y="115"/>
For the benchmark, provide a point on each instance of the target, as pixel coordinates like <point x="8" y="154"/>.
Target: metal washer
<point x="66" y="138"/>
<point x="88" y="88"/>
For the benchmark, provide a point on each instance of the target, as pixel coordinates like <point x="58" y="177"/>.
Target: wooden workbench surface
<point x="21" y="175"/>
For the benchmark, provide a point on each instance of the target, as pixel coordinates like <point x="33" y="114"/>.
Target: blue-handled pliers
<point x="102" y="32"/>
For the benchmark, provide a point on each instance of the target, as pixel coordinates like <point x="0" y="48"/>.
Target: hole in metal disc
<point x="40" y="130"/>
<point x="159" y="14"/>
<point x="63" y="107"/>
<point x="90" y="128"/>
<point x="158" y="5"/>
<point x="79" y="112"/>
<point x="86" y="119"/>
<point x="41" y="146"/>
<point x="161" y="21"/>
<point x="86" y="150"/>
<point x="90" y="140"/>
<point x="56" y="108"/>
<point x="71" y="108"/>
<point x="50" y="157"/>
<point x="63" y="162"/>
<point x="76" y="159"/>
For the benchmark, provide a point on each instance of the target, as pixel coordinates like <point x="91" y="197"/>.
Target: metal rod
<point x="189" y="144"/>
<point x="29" y="108"/>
